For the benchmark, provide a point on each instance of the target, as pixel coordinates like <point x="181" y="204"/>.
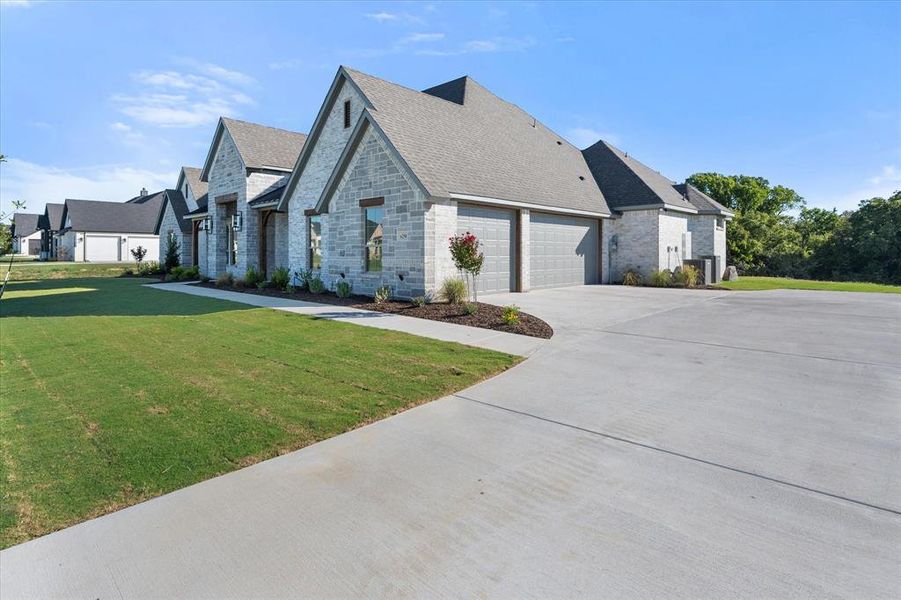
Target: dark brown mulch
<point x="488" y="316"/>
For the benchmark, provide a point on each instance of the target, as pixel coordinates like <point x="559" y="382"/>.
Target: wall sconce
<point x="614" y="242"/>
<point x="237" y="220"/>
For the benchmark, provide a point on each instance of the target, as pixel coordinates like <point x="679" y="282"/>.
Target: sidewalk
<point x="511" y="343"/>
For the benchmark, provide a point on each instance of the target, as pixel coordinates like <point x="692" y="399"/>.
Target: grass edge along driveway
<point x="113" y="393"/>
<point x="752" y="283"/>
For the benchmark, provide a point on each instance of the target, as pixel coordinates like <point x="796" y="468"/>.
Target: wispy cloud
<point x="185" y="99"/>
<point x="37" y="184"/>
<point x="404" y="44"/>
<point x="882" y="185"/>
<point x="416" y="38"/>
<point x="890" y="174"/>
<point x="394" y="17"/>
<point x="582" y="137"/>
<point x="126" y="134"/>
<point x="482" y="46"/>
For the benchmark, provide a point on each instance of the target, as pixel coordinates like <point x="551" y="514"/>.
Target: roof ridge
<point x="225" y="120"/>
<point x="351" y="71"/>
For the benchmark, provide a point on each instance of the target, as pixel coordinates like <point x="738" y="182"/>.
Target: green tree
<point x="6" y="239"/>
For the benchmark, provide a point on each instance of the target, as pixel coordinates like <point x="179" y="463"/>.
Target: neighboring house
<point x="657" y="223"/>
<point x="189" y="195"/>
<point x="50" y="224"/>
<point x="26" y="234"/>
<point x="246" y="168"/>
<point x="95" y="231"/>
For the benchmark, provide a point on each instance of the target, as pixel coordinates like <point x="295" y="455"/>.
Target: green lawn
<point x="785" y="283"/>
<point x="113" y="393"/>
<point x="62" y="270"/>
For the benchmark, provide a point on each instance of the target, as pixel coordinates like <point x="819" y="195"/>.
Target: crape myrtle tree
<point x="464" y="249"/>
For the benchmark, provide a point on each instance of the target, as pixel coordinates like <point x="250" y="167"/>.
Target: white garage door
<point x="149" y="243"/>
<point x="494" y="227"/>
<point x="101" y="248"/>
<point x="562" y="250"/>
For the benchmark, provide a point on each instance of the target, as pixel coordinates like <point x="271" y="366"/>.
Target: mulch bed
<point x="488" y="316"/>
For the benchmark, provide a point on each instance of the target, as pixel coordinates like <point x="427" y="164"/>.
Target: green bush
<point x="631" y="277"/>
<point x="225" y="279"/>
<point x="315" y="285"/>
<point x="290" y="289"/>
<point x="172" y="252"/>
<point x="204" y="279"/>
<point x="253" y="277"/>
<point x="453" y="290"/>
<point x="177" y="274"/>
<point x="382" y="294"/>
<point x="171" y="277"/>
<point x="148" y="268"/>
<point x="510" y="316"/>
<point x="281" y="277"/>
<point x="303" y="278"/>
<point x="661" y="278"/>
<point x="343" y="288"/>
<point x="240" y="283"/>
<point x="419" y="301"/>
<point x="470" y="308"/>
<point x="686" y="276"/>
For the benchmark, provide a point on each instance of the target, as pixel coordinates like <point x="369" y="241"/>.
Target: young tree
<point x="138" y="254"/>
<point x="173" y="259"/>
<point x="464" y="249"/>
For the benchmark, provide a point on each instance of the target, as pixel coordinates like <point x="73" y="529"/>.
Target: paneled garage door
<point x="495" y="229"/>
<point x="101" y="248"/>
<point x="562" y="250"/>
<point x="150" y="243"/>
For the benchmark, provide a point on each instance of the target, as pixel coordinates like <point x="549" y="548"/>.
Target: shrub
<point x="661" y="278"/>
<point x="171" y="277"/>
<point x="454" y="290"/>
<point x="315" y="285"/>
<point x="138" y="254"/>
<point x="510" y="316"/>
<point x="253" y="277"/>
<point x="419" y="301"/>
<point x="240" y="283"/>
<point x="192" y="272"/>
<point x="631" y="277"/>
<point x="290" y="289"/>
<point x="686" y="276"/>
<point x="204" y="279"/>
<point x="150" y="267"/>
<point x="225" y="279"/>
<point x="470" y="308"/>
<point x="303" y="278"/>
<point x="128" y="272"/>
<point x="177" y="274"/>
<point x="382" y="294"/>
<point x="344" y="288"/>
<point x="281" y="277"/>
<point x="172" y="259"/>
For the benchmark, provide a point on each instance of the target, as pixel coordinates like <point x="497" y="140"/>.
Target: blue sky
<point x="98" y="100"/>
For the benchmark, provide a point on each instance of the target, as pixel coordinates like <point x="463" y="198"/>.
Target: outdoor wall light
<point x="237" y="220"/>
<point x="400" y="276"/>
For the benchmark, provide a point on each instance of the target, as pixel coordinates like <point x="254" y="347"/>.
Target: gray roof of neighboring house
<point x="24" y="224"/>
<point x="630" y="184"/>
<point x="483" y="147"/>
<point x="704" y="203"/>
<point x="54" y="214"/>
<point x="176" y="200"/>
<point x="260" y="147"/>
<point x="192" y="175"/>
<point x="115" y="217"/>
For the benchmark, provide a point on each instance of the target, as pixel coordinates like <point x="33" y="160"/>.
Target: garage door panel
<point x="101" y="248"/>
<point x="563" y="250"/>
<point x="494" y="228"/>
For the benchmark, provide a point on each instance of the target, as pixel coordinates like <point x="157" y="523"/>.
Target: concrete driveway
<point x="664" y="443"/>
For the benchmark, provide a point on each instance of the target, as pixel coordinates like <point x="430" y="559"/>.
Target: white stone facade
<point x="170" y="226"/>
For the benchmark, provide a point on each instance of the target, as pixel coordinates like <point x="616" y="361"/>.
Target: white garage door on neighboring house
<point x="563" y="250"/>
<point x="494" y="227"/>
<point x="150" y="243"/>
<point x="101" y="248"/>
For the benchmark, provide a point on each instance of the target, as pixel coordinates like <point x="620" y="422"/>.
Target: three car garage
<point x="563" y="250"/>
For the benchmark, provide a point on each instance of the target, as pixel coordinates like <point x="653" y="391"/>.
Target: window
<point x="346" y="114"/>
<point x="374" y="218"/>
<point x="720" y="223"/>
<point x="315" y="242"/>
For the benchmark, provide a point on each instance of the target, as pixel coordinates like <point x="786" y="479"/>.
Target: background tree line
<point x="774" y="232"/>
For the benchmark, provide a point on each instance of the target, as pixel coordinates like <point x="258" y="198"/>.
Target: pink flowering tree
<point x="464" y="249"/>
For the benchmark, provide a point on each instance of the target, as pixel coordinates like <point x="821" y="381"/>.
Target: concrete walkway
<point x="664" y="444"/>
<point x="511" y="343"/>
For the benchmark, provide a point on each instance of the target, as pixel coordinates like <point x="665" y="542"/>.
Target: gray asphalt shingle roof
<point x="115" y="217"/>
<point x="24" y="224"/>
<point x="265" y="147"/>
<point x="176" y="200"/>
<point x="704" y="203"/>
<point x="54" y="214"/>
<point x="628" y="183"/>
<point x="483" y="147"/>
<point x="192" y="175"/>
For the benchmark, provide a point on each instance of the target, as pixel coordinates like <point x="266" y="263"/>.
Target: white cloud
<point x="184" y="99"/>
<point x="582" y="137"/>
<point x="126" y="134"/>
<point x="38" y="184"/>
<point x="889" y="174"/>
<point x="416" y="38"/>
<point x="389" y="17"/>
<point x="381" y="17"/>
<point x="496" y="44"/>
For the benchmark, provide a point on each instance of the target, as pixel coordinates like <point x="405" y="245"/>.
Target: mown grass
<point x="113" y="393"/>
<point x="30" y="270"/>
<point x="785" y="283"/>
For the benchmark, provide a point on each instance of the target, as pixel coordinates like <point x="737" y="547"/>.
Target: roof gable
<point x="174" y="200"/>
<point x="629" y="184"/>
<point x="191" y="175"/>
<point x="24" y="224"/>
<point x="704" y="203"/>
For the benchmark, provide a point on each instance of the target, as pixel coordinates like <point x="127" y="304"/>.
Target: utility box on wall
<point x="704" y="267"/>
<point x="716" y="264"/>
